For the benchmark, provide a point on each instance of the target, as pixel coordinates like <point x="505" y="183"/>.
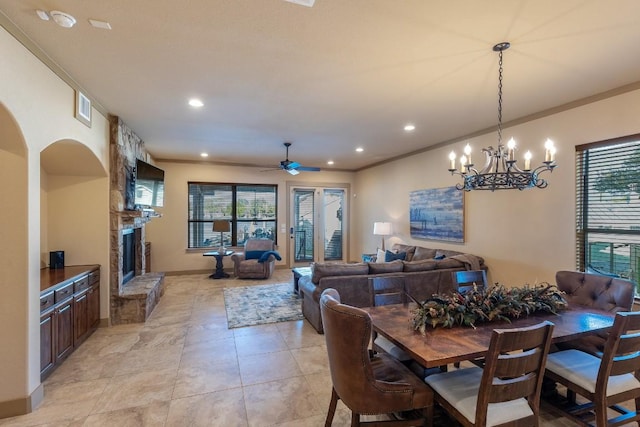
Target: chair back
<point x="622" y="349"/>
<point x="465" y="280"/>
<point x="259" y="245"/>
<point x="514" y="368"/>
<point x="594" y="290"/>
<point x="387" y="290"/>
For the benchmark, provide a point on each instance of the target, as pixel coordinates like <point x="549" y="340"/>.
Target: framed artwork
<point x="83" y="108"/>
<point x="437" y="214"/>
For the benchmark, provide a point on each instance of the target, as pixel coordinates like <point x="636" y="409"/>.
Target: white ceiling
<point x="332" y="77"/>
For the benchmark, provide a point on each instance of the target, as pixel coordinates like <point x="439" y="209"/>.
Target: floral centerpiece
<point x="494" y="303"/>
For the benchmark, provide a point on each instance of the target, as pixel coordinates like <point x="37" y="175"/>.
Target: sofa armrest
<point x="237" y="256"/>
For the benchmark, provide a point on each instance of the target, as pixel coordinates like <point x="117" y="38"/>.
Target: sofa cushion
<point x="423" y="253"/>
<point x="321" y="270"/>
<point x="385" y="267"/>
<point x="392" y="256"/>
<point x="399" y="247"/>
<point x="422" y="265"/>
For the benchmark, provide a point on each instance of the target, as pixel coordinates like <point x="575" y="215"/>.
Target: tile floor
<point x="183" y="367"/>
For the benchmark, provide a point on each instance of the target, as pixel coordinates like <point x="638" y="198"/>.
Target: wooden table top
<point x="441" y="346"/>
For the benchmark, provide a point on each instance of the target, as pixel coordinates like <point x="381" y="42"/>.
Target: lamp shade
<point x="221" y="225"/>
<point x="381" y="228"/>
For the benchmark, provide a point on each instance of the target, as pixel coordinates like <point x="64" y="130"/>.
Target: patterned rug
<point x="257" y="305"/>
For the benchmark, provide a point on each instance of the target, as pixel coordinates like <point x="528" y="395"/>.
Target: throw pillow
<point x="390" y="256"/>
<point x="253" y="254"/>
<point x="441" y="256"/>
<point x="380" y="255"/>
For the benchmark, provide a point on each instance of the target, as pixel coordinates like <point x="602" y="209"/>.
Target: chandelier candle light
<point x="500" y="171"/>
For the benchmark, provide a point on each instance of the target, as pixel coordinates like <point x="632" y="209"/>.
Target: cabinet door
<point x="64" y="330"/>
<point x="93" y="297"/>
<point x="81" y="317"/>
<point x="47" y="341"/>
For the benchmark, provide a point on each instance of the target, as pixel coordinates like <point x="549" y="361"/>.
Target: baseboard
<point x="13" y="408"/>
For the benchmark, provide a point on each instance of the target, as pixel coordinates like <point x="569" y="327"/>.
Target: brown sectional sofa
<point x="426" y="272"/>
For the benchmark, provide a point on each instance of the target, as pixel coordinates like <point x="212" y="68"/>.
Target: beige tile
<point x="312" y="359"/>
<point x="300" y="333"/>
<point x="85" y="368"/>
<point x="248" y="345"/>
<point x="144" y="388"/>
<point x="268" y="367"/>
<point x="280" y="401"/>
<point x="206" y="378"/>
<point x="218" y="409"/>
<point x="257" y="330"/>
<point x="154" y="337"/>
<point x="208" y="331"/>
<point x="207" y="352"/>
<point x="153" y="415"/>
<point x="150" y="359"/>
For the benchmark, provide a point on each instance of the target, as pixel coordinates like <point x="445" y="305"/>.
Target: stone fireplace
<point x="134" y="293"/>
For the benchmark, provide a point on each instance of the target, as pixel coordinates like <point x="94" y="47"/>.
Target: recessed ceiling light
<point x="409" y="127"/>
<point x="204" y="155"/>
<point x="330" y="162"/>
<point x="63" y="19"/>
<point x="359" y="149"/>
<point x="195" y="102"/>
<point x="100" y="24"/>
<point x="42" y="14"/>
<point x="308" y="3"/>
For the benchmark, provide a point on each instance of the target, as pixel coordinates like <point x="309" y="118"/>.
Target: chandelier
<point x="500" y="171"/>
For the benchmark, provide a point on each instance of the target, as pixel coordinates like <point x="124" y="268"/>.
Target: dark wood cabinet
<point x="69" y="312"/>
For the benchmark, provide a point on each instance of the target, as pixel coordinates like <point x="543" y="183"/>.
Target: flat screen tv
<point x="149" y="189"/>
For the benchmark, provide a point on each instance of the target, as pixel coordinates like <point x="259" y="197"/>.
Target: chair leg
<point x="571" y="397"/>
<point x="601" y="413"/>
<point x="355" y="419"/>
<point x="332" y="408"/>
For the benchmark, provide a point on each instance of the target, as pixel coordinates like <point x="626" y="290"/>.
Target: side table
<point x="218" y="273"/>
<point x="298" y="272"/>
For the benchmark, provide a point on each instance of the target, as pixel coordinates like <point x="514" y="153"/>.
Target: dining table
<point x="440" y="345"/>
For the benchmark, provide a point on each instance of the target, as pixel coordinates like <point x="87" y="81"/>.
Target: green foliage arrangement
<point x="494" y="303"/>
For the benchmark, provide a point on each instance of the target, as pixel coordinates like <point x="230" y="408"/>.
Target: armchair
<point x="249" y="265"/>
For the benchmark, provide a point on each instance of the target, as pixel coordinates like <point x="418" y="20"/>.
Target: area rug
<point x="261" y="304"/>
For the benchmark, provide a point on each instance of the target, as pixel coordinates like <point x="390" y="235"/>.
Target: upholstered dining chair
<point x="597" y="291"/>
<point x="388" y="290"/>
<point x="465" y="280"/>
<point x="605" y="382"/>
<point x="257" y="261"/>
<point x="367" y="383"/>
<point x="506" y="392"/>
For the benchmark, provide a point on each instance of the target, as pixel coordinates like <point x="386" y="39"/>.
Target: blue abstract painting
<point x="437" y="214"/>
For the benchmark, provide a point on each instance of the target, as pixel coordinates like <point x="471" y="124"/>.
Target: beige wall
<point x="168" y="235"/>
<point x="524" y="236"/>
<point x="39" y="109"/>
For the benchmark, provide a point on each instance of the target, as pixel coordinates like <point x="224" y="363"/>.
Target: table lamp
<point x="382" y="229"/>
<point x="222" y="226"/>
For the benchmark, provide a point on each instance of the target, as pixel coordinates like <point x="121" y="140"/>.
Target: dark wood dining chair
<point x="368" y="383"/>
<point x="466" y="279"/>
<point x="605" y="382"/>
<point x="506" y="392"/>
<point x="388" y="290"/>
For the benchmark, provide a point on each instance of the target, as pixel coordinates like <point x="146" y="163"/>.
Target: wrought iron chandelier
<point x="500" y="171"/>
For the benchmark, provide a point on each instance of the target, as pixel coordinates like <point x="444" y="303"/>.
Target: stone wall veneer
<point x="131" y="302"/>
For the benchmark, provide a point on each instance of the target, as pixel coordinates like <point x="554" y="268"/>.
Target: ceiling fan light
<point x="63" y="19"/>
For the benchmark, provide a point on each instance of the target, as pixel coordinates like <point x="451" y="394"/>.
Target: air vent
<point x="308" y="3"/>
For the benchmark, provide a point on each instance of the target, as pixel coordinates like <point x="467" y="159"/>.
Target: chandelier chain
<point x="500" y="98"/>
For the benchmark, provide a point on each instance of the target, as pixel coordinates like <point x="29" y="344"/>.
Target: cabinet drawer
<point x="81" y="284"/>
<point x="94" y="277"/>
<point x="64" y="292"/>
<point x="46" y="301"/>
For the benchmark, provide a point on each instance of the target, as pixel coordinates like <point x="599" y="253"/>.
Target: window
<point x="251" y="208"/>
<point x="608" y="207"/>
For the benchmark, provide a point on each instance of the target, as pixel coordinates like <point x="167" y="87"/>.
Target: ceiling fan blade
<point x="292" y="171"/>
<point x="308" y="169"/>
<point x="293" y="165"/>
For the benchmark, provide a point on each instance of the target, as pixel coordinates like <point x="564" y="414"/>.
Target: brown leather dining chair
<point x="605" y="382"/>
<point x="506" y="392"/>
<point x="388" y="290"/>
<point x="367" y="383"/>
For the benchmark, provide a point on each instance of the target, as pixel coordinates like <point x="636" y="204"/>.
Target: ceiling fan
<point x="294" y="168"/>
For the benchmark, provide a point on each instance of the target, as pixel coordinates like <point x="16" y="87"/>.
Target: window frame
<point x="584" y="230"/>
<point x="235" y="188"/>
